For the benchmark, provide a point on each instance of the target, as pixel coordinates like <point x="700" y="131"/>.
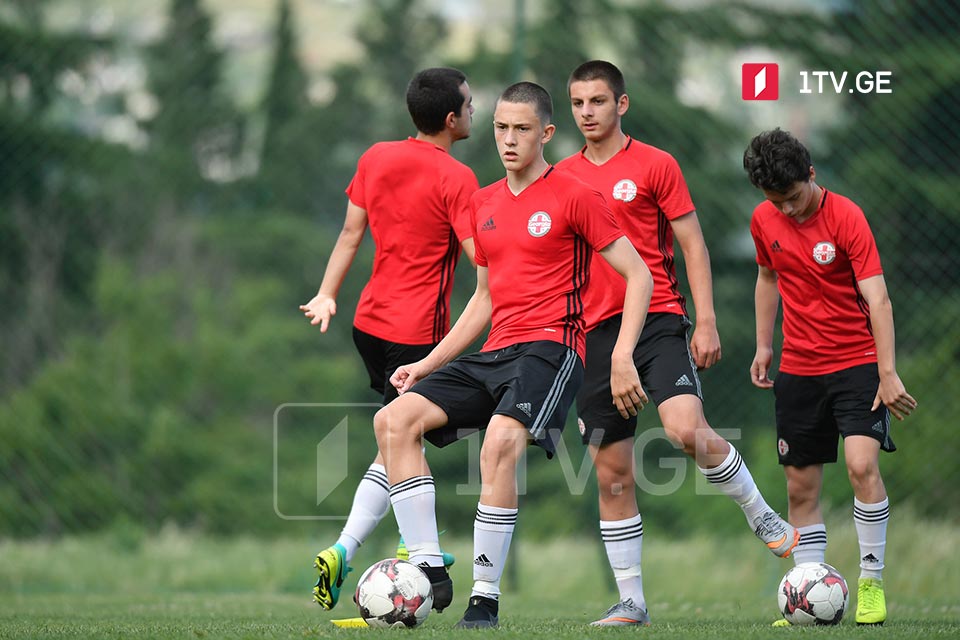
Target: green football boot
<point x="331" y="566"/>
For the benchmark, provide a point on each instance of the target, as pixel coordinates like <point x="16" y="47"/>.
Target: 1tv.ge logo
<point x="760" y="81"/>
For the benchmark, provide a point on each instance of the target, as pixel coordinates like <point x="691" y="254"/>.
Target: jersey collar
<point x="626" y="145"/>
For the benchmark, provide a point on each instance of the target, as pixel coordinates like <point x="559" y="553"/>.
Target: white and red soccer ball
<point x="394" y="593"/>
<point x="813" y="593"/>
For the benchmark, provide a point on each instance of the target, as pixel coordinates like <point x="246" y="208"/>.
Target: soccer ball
<point x="394" y="593"/>
<point x="813" y="593"/>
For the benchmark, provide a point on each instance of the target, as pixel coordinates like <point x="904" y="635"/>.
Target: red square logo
<point x="760" y="81"/>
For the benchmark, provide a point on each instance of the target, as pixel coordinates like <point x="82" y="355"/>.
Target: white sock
<point x="370" y="503"/>
<point x="623" y="540"/>
<point x="813" y="544"/>
<point x="871" y="522"/>
<point x="415" y="507"/>
<point x="733" y="479"/>
<point x="492" y="532"/>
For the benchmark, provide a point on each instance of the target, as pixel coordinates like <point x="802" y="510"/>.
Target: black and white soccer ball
<point x="394" y="593"/>
<point x="813" y="593"/>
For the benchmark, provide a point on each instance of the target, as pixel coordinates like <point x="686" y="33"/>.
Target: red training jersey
<point x="645" y="189"/>
<point x="417" y="199"/>
<point x="538" y="246"/>
<point x="826" y="321"/>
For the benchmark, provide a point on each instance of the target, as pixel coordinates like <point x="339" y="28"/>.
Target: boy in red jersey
<point x="650" y="200"/>
<point x="535" y="233"/>
<point x="415" y="197"/>
<point x="838" y="374"/>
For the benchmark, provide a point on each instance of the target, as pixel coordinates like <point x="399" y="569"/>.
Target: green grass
<point x="179" y="585"/>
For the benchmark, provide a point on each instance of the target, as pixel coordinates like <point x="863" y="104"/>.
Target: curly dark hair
<point x="775" y="160"/>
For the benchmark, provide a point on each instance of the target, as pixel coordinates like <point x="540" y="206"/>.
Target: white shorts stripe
<point x="553" y="396"/>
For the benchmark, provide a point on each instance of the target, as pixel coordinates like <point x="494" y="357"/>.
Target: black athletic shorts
<point x="533" y="382"/>
<point x="663" y="361"/>
<point x="382" y="358"/>
<point x="813" y="411"/>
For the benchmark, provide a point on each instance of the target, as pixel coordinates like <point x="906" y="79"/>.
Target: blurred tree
<point x="164" y="412"/>
<point x="896" y="154"/>
<point x="56" y="180"/>
<point x="196" y="132"/>
<point x="559" y="41"/>
<point x="402" y="36"/>
<point x="171" y="355"/>
<point x="284" y="103"/>
<point x="904" y="178"/>
<point x="318" y="146"/>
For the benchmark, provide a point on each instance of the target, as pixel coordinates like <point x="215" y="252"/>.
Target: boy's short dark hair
<point x="530" y="93"/>
<point x="599" y="70"/>
<point x="775" y="160"/>
<point x="431" y="95"/>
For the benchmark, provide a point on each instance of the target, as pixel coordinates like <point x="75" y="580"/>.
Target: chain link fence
<point x="157" y="232"/>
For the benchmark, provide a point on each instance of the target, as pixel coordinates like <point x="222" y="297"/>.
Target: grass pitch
<point x="178" y="585"/>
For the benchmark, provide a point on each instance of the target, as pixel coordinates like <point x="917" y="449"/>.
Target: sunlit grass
<point x="179" y="584"/>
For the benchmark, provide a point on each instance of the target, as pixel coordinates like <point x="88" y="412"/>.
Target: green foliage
<point x="29" y="51"/>
<point x="284" y="106"/>
<point x="904" y="177"/>
<point x="197" y="131"/>
<point x="310" y="151"/>
<point x="397" y="34"/>
<point x="62" y="190"/>
<point x="286" y="93"/>
<point x="557" y="44"/>
<point x="164" y="412"/>
<point x="150" y="328"/>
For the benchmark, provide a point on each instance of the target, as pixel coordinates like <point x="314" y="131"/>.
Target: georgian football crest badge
<point x="625" y="190"/>
<point x="539" y="224"/>
<point x="782" y="447"/>
<point x="824" y="252"/>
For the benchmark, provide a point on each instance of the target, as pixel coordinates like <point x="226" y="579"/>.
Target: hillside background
<point x="171" y="185"/>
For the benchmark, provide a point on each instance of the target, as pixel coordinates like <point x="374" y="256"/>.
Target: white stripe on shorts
<point x="553" y="396"/>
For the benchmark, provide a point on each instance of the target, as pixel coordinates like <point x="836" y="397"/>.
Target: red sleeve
<point x="355" y="190"/>
<point x="461" y="186"/>
<point x="479" y="256"/>
<point x="763" y="258"/>
<point x="670" y="189"/>
<point x="591" y="218"/>
<point x="857" y="241"/>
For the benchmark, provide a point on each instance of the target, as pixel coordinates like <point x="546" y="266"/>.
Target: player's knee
<point x="863" y="472"/>
<point x="685" y="425"/>
<point x="496" y="452"/>
<point x="683" y="437"/>
<point x="499" y="453"/>
<point x="614" y="477"/>
<point x="381" y="425"/>
<point x="390" y="427"/>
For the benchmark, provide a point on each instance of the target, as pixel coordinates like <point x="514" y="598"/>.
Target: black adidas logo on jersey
<point x="489" y="225"/>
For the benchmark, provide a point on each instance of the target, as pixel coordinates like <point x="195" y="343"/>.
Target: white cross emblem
<point x="539" y="224"/>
